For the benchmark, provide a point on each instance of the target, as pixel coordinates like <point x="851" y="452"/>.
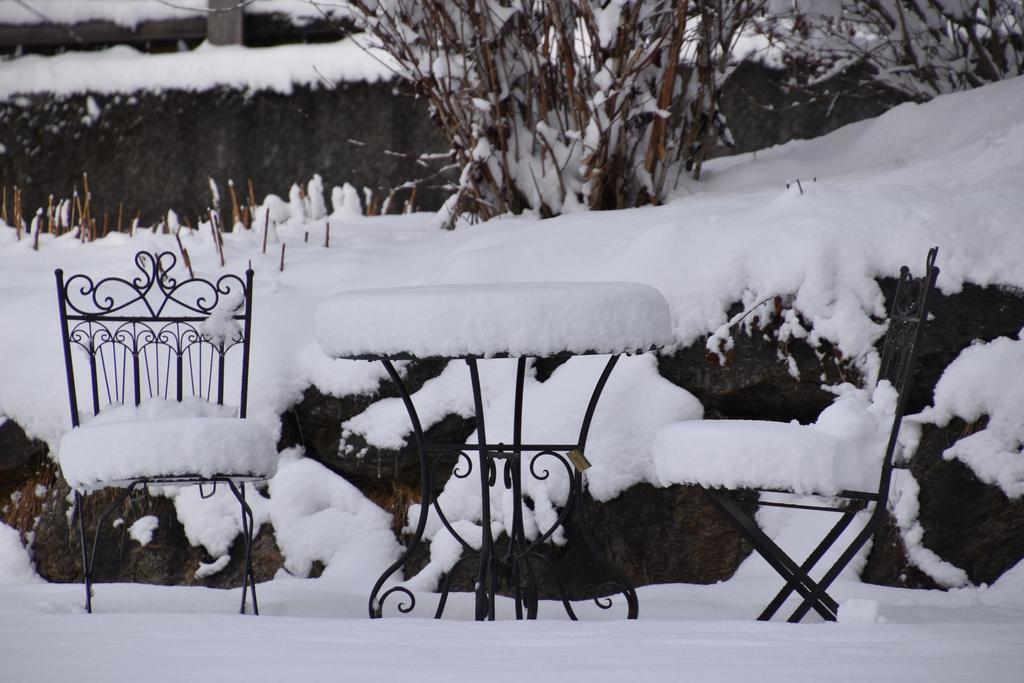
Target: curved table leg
<point x="486" y="582"/>
<point x="376" y="602"/>
<point x="619" y="581"/>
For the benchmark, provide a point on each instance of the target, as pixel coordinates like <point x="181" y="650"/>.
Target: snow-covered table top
<point x="497" y="319"/>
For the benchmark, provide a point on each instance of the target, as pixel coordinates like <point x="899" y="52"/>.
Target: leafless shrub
<point x="555" y="105"/>
<point x="922" y="48"/>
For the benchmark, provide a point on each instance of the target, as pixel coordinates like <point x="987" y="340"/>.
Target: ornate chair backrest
<point x="154" y="335"/>
<point x="907" y="315"/>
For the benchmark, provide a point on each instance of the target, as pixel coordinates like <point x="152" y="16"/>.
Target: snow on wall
<point x="126" y="13"/>
<point x="131" y="13"/>
<point x="123" y="69"/>
<point x="15" y="563"/>
<point x="985" y="381"/>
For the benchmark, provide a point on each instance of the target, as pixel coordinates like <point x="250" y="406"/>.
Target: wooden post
<point x="224" y="22"/>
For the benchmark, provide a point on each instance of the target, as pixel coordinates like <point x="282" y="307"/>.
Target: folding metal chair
<point x="154" y="355"/>
<point x="700" y="452"/>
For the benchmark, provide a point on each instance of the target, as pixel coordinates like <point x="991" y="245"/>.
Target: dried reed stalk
<point x="17" y="212"/>
<point x="266" y="228"/>
<point x="184" y="255"/>
<point x="217" y="240"/>
<point x="37" y="226"/>
<point x="86" y="213"/>
<point x="236" y="213"/>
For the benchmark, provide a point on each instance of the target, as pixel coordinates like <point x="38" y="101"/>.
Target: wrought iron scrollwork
<point x="459" y="473"/>
<point x="545" y="473"/>
<point x="153" y="293"/>
<point x="404" y="606"/>
<point x="153" y="334"/>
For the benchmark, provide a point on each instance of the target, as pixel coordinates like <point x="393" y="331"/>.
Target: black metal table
<point x="474" y="323"/>
<point x="516" y="567"/>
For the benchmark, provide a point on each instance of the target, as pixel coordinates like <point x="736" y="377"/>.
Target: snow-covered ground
<point x="313" y="630"/>
<point x="872" y="197"/>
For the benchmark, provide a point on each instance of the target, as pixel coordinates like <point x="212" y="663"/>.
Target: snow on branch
<point x="555" y="106"/>
<point x="922" y="48"/>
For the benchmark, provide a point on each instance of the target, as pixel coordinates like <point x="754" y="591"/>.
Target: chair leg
<point x="808" y="564"/>
<point x="86" y="573"/>
<point x="248" y="532"/>
<point x="89" y="557"/>
<point x="844" y="559"/>
<point x="795" y="577"/>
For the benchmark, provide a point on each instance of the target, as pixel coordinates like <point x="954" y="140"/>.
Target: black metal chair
<point x="699" y="452"/>
<point x="154" y="358"/>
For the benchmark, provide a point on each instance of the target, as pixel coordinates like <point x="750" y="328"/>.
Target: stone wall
<point x="656" y="535"/>
<point x="156" y="151"/>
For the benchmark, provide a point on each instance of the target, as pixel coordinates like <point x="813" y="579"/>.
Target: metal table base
<point x="515" y="568"/>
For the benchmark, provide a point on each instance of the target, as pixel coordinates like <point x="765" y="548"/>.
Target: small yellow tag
<point x="578" y="460"/>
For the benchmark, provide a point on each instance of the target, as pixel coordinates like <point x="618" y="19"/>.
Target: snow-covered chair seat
<point x="166" y="441"/>
<point x="847" y="455"/>
<point x="497" y="319"/>
<point x="842" y="451"/>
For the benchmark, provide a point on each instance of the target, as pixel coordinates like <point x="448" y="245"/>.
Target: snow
<point x="123" y="69"/>
<point x="142" y="529"/>
<point x="885" y="191"/>
<point x="210" y="568"/>
<point x="221" y="327"/>
<point x="131" y="13"/>
<point x="164" y="438"/>
<point x="516" y="319"/>
<point x="858" y="610"/>
<point x="15" y="563"/>
<point x="905" y="506"/>
<point x="842" y="450"/>
<point x="126" y="13"/>
<point x="982" y="382"/>
<point x="212" y="516"/>
<point x="319" y="629"/>
<point x="319" y="517"/>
